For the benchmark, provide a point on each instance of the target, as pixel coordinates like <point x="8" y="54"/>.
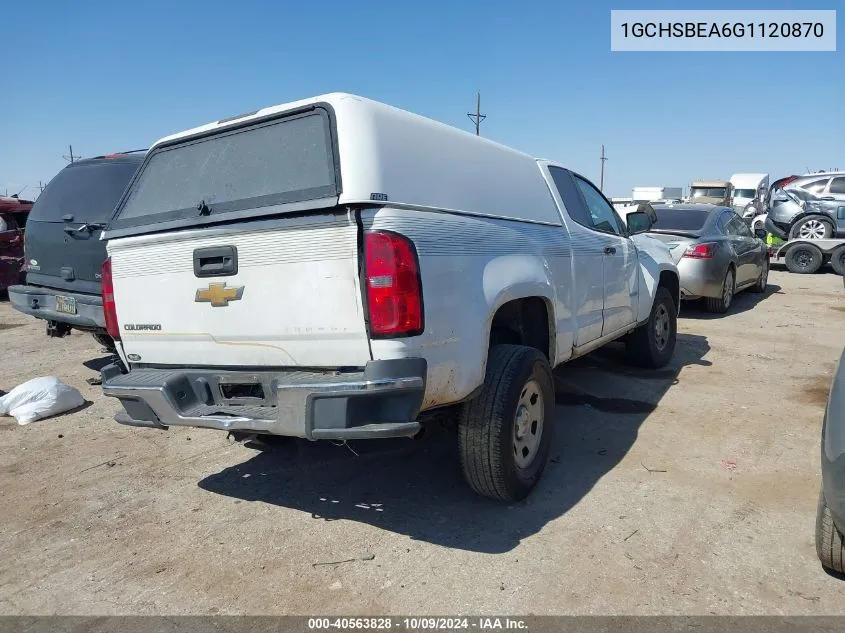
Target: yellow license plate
<point x="65" y="304"/>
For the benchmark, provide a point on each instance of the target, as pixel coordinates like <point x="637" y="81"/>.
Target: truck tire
<point x="763" y="279"/>
<point x="722" y="303"/>
<point x="812" y="227"/>
<point x="804" y="259"/>
<point x="505" y="433"/>
<point x="829" y="545"/>
<point x="652" y="344"/>
<point x="837" y="260"/>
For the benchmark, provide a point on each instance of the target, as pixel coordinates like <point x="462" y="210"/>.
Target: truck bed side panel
<point x="470" y="266"/>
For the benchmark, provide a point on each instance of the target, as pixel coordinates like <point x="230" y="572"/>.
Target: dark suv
<point x="62" y="246"/>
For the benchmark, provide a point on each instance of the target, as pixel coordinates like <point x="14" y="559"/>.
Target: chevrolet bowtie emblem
<point x="218" y="295"/>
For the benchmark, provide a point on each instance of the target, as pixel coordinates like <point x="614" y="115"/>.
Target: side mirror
<point x="645" y="207"/>
<point x="760" y="234"/>
<point x="639" y="222"/>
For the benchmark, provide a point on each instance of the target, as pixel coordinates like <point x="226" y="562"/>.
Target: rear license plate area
<point x="242" y="391"/>
<point x="66" y="305"/>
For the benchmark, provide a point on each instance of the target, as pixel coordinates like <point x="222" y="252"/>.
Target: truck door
<point x="619" y="261"/>
<point x="587" y="282"/>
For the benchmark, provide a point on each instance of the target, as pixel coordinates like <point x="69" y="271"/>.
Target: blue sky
<point x="107" y="76"/>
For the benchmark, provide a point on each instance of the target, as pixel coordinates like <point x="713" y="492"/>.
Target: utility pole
<point x="71" y="158"/>
<point x="603" y="159"/>
<point x="477" y="118"/>
<point x="41" y="187"/>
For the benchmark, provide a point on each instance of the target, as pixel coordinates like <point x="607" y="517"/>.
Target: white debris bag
<point x="40" y="398"/>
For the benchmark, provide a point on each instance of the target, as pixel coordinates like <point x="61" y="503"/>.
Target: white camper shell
<point x="363" y="152"/>
<point x="336" y="268"/>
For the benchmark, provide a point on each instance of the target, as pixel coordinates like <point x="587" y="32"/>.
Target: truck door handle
<point x="609" y="250"/>
<point x="216" y="261"/>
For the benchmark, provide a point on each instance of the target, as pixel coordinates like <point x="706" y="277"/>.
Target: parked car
<point x="13" y="216"/>
<point x="822" y="184"/>
<point x="331" y="268"/>
<point x="797" y="213"/>
<point x="64" y="254"/>
<point x="716" y="253"/>
<point x="830" y="517"/>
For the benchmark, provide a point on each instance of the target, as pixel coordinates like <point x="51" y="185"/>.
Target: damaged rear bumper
<point x="382" y="400"/>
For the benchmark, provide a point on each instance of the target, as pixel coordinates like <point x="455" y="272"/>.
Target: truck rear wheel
<point x="653" y="344"/>
<point x="505" y="434"/>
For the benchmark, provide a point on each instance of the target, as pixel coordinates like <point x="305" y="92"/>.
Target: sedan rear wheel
<point x="829" y="542"/>
<point x="721" y="304"/>
<point x="763" y="279"/>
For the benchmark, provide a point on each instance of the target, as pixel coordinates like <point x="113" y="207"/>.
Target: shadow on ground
<point x="415" y="487"/>
<point x="743" y="302"/>
<point x="97" y="364"/>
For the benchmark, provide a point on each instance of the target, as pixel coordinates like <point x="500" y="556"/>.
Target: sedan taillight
<point x="701" y="251"/>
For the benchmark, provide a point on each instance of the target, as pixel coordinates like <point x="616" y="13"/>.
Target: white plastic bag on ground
<point x="40" y="398"/>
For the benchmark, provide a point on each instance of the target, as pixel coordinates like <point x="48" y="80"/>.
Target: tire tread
<point x="829" y="544"/>
<point x="482" y="421"/>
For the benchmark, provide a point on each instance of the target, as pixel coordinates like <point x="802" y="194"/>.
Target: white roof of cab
<point x="421" y="163"/>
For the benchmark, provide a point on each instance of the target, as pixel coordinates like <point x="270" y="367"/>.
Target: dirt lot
<point x="691" y="490"/>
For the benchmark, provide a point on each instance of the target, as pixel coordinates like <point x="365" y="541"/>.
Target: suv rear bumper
<point x="40" y="302"/>
<point x="383" y="400"/>
<point x="776" y="229"/>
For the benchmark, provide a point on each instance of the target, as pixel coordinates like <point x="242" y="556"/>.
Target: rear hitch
<point x="56" y="329"/>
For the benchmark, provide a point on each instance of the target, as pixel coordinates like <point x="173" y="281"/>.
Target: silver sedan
<point x="716" y="253"/>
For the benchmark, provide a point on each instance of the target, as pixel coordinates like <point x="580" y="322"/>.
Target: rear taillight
<point x="394" y="290"/>
<point x="700" y="251"/>
<point x="109" y="308"/>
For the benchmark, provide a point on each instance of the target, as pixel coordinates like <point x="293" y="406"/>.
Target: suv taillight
<point x="701" y="251"/>
<point x="394" y="289"/>
<point x="109" y="309"/>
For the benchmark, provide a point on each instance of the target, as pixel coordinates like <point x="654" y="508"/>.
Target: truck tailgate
<point x="294" y="299"/>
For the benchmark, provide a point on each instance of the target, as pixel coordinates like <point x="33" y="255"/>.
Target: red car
<point x="13" y="214"/>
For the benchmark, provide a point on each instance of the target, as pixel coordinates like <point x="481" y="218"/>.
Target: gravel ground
<point x="690" y="490"/>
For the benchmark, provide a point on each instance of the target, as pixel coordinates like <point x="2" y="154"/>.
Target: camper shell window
<point x="235" y="172"/>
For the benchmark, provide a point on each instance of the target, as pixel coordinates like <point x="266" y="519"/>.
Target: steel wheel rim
<point x="803" y="258"/>
<point x="661" y="327"/>
<point x="528" y="424"/>
<point x="728" y="290"/>
<point x="812" y="230"/>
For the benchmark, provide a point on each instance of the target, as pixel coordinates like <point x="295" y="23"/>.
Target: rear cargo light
<point x="394" y="290"/>
<point x="109" y="308"/>
<point x="701" y="251"/>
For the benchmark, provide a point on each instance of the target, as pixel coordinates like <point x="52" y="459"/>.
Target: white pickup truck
<point x="336" y="268"/>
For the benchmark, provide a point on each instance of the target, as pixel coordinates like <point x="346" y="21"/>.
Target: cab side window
<point x="572" y="203"/>
<point x="602" y="215"/>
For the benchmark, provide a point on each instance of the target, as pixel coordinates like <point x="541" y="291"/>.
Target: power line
<point x="477" y="118"/>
